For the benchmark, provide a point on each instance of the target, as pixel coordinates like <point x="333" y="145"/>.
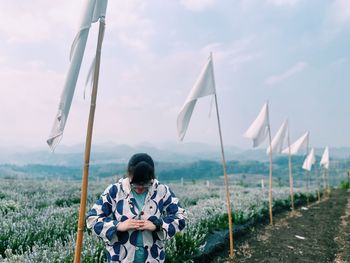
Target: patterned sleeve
<point x="98" y="218"/>
<point x="174" y="219"/>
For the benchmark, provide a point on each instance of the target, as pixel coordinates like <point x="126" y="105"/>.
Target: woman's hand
<point x="147" y="225"/>
<point x="130" y="224"/>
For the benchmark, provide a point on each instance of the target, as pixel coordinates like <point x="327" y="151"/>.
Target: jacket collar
<point x="126" y="188"/>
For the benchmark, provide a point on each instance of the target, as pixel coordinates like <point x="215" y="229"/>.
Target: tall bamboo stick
<point x="84" y="184"/>
<point x="327" y="180"/>
<point x="324" y="179"/>
<point x="270" y="174"/>
<point x="307" y="187"/>
<point x="307" y="178"/>
<point x="228" y="202"/>
<point x="318" y="183"/>
<point x="290" y="172"/>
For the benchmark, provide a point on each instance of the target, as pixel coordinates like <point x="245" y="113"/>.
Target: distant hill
<point x="113" y="153"/>
<point x="191" y="161"/>
<point x="246" y="172"/>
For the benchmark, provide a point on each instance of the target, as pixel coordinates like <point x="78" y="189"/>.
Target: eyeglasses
<point x="145" y="186"/>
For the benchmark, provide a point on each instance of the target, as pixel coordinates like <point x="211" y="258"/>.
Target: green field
<point x="39" y="217"/>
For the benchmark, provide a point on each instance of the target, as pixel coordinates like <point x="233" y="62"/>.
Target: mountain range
<point x="120" y="153"/>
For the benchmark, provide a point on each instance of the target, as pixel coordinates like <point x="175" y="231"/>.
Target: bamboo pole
<point x="270" y="174"/>
<point x="327" y="180"/>
<point x="307" y="187"/>
<point x="307" y="176"/>
<point x="84" y="184"/>
<point x="324" y="179"/>
<point x="228" y="202"/>
<point x="290" y="173"/>
<point x="318" y="184"/>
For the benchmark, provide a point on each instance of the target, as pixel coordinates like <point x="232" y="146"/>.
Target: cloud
<point x="284" y="2"/>
<point x="23" y="26"/>
<point x="39" y="20"/>
<point x="340" y="11"/>
<point x="339" y="62"/>
<point x="233" y="54"/>
<point x="197" y="5"/>
<point x="274" y="79"/>
<point x="32" y="22"/>
<point x="27" y="97"/>
<point x="129" y="24"/>
<point x="239" y="60"/>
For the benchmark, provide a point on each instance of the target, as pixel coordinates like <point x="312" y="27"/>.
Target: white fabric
<point x="309" y="160"/>
<point x="325" y="158"/>
<point x="300" y="144"/>
<point x="258" y="130"/>
<point x="277" y="141"/>
<point x="204" y="86"/>
<point x="92" y="8"/>
<point x="90" y="77"/>
<point x="99" y="10"/>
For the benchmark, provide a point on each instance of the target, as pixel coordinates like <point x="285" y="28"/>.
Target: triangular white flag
<point x="90" y="77"/>
<point x="94" y="10"/>
<point x="258" y="130"/>
<point x="204" y="86"/>
<point x="277" y="141"/>
<point x="309" y="160"/>
<point x="325" y="158"/>
<point x="298" y="145"/>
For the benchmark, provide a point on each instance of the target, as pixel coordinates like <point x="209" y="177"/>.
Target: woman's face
<point x="140" y="187"/>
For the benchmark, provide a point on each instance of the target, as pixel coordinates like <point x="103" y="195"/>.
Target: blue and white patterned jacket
<point x="117" y="204"/>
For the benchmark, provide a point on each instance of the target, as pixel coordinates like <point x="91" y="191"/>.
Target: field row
<point x="39" y="218"/>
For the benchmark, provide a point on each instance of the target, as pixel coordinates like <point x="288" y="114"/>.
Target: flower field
<point x="39" y="217"/>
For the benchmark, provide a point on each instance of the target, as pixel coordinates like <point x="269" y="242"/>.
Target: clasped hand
<point x="131" y="224"/>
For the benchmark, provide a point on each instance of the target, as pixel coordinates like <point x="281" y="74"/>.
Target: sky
<point x="293" y="53"/>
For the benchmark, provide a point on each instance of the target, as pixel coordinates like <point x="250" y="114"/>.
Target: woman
<point x="136" y="215"/>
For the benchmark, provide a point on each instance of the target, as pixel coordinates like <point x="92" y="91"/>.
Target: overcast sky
<point x="294" y="53"/>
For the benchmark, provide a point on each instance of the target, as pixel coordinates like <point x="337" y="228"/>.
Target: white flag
<point x="325" y="158"/>
<point x="94" y="10"/>
<point x="309" y="160"/>
<point x="204" y="86"/>
<point x="300" y="144"/>
<point x="277" y="141"/>
<point x="258" y="130"/>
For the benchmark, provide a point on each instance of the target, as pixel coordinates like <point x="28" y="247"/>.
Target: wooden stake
<point x="318" y="184"/>
<point x="327" y="179"/>
<point x="307" y="177"/>
<point x="290" y="173"/>
<point x="324" y="179"/>
<point x="228" y="202"/>
<point x="270" y="175"/>
<point x="307" y="187"/>
<point x="84" y="184"/>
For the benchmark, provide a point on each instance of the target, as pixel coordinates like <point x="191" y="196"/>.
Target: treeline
<point x="60" y="172"/>
<point x="165" y="171"/>
<point x="211" y="169"/>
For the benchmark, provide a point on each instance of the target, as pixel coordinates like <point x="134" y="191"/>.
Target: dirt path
<point x="319" y="234"/>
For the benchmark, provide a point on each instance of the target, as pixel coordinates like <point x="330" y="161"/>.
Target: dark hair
<point x="141" y="167"/>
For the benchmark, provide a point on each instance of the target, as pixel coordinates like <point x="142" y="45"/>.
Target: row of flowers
<point x="39" y="218"/>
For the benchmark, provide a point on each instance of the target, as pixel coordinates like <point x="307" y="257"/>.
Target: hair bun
<point x="140" y="157"/>
<point x="141" y="167"/>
